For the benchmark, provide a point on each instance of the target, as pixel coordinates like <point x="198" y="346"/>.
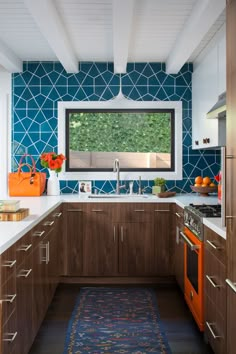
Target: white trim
<point x="124" y="104"/>
<point x="121" y="34"/>
<point x="5" y="131"/>
<point x="204" y="14"/>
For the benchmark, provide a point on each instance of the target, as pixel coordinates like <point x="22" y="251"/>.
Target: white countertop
<point x="11" y="231"/>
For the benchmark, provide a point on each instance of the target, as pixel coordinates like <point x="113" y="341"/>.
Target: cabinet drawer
<point x="9" y="336"/>
<point x="133" y="212"/>
<point x="8" y="264"/>
<point x="215" y="328"/>
<point x="215" y="286"/>
<point x="8" y="298"/>
<point x="215" y="244"/>
<point x="23" y="247"/>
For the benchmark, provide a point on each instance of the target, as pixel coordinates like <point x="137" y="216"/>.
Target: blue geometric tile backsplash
<point x="41" y="85"/>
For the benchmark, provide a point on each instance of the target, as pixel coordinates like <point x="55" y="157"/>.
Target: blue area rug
<point x="116" y="320"/>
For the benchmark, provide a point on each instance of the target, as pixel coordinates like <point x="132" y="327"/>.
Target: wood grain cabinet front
<point x="116" y="239"/>
<point x="29" y="275"/>
<point x="164" y="243"/>
<point x="179" y="247"/>
<point x="8" y="330"/>
<point x="215" y="290"/>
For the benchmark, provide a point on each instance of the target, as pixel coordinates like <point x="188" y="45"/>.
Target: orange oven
<point x="193" y="275"/>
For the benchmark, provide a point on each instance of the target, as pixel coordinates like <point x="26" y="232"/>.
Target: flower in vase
<point x="52" y="161"/>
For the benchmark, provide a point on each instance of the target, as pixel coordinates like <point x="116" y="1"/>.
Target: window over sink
<point x="146" y="137"/>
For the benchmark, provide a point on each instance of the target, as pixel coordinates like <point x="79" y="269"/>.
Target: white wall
<point x="5" y="128"/>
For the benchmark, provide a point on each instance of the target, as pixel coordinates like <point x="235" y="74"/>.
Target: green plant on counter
<point x="159" y="181"/>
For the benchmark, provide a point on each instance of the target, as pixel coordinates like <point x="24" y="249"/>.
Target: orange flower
<point x="52" y="161"/>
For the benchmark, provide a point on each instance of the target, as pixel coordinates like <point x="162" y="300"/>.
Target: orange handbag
<point x="26" y="184"/>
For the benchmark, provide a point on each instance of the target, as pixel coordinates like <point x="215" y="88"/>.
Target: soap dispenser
<point x="131" y="184"/>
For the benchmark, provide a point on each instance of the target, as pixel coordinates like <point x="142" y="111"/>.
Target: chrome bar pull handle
<point x="24" y="273"/>
<point x="190" y="244"/>
<point x="57" y="215"/>
<point x="209" y="325"/>
<point x="9" y="264"/>
<point x="122" y="233"/>
<point x="47" y="252"/>
<point x="231" y="284"/>
<point x="11" y="336"/>
<point x="139" y="210"/>
<point x="48" y="223"/>
<point x="161" y="210"/>
<point x="177" y="214"/>
<point x="75" y="210"/>
<point x="38" y="233"/>
<point x="114" y="234"/>
<point x="213" y="245"/>
<point x="229" y="157"/>
<point x="9" y="298"/>
<point x="97" y="210"/>
<point x="210" y="279"/>
<point x="25" y="248"/>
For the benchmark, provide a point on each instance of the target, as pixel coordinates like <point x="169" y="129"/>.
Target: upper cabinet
<point x="208" y="82"/>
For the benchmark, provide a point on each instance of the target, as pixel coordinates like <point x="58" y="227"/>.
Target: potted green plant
<point x="159" y="185"/>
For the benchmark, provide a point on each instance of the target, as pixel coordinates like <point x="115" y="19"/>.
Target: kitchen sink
<point x="100" y="196"/>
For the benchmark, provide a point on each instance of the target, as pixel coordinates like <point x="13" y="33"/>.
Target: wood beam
<point x="9" y="60"/>
<point x="122" y="12"/>
<point x="203" y="16"/>
<point x="49" y="22"/>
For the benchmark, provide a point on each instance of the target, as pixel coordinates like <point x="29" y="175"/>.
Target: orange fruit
<point x="198" y="180"/>
<point x="206" y="180"/>
<point x="212" y="184"/>
<point x="204" y="185"/>
<point x="197" y="185"/>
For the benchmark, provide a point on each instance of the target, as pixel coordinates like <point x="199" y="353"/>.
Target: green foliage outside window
<point x="120" y="132"/>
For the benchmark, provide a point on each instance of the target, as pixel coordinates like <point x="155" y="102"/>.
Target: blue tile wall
<point x="41" y="85"/>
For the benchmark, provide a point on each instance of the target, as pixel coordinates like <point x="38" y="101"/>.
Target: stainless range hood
<point x="219" y="109"/>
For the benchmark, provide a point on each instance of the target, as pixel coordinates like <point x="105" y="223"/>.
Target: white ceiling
<point x="120" y="31"/>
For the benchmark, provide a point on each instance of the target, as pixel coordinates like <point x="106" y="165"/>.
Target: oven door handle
<point x="190" y="244"/>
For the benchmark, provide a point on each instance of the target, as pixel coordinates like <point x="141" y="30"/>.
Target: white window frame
<point x="121" y="103"/>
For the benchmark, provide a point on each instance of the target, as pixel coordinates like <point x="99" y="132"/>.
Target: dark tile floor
<point x="181" y="330"/>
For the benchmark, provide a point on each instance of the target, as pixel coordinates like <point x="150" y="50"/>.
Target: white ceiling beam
<point x="122" y="13"/>
<point x="203" y="16"/>
<point x="49" y="22"/>
<point x="9" y="60"/>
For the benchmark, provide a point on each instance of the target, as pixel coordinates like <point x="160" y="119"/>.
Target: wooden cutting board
<point x="14" y="216"/>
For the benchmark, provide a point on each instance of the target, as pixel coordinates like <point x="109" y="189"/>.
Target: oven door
<point x="193" y="275"/>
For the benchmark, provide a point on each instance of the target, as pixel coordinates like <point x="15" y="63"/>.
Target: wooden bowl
<point x="204" y="191"/>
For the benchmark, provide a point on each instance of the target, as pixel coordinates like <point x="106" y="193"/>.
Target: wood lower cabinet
<point x="29" y="276"/>
<point x="100" y="239"/>
<point x="164" y="245"/>
<point x="8" y="330"/>
<point x="136" y="249"/>
<point x="73" y="226"/>
<point x="117" y="239"/>
<point x="24" y="300"/>
<point x="179" y="247"/>
<point x="215" y="290"/>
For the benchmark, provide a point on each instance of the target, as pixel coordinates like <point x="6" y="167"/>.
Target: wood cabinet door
<point x="100" y="240"/>
<point x="73" y="243"/>
<point x="164" y="243"/>
<point x="136" y="249"/>
<point x="179" y="247"/>
<point x="24" y="305"/>
<point x="40" y="284"/>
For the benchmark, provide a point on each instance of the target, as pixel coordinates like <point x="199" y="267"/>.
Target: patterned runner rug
<point x="116" y="320"/>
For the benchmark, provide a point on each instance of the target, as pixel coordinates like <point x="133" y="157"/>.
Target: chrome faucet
<point x="116" y="168"/>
